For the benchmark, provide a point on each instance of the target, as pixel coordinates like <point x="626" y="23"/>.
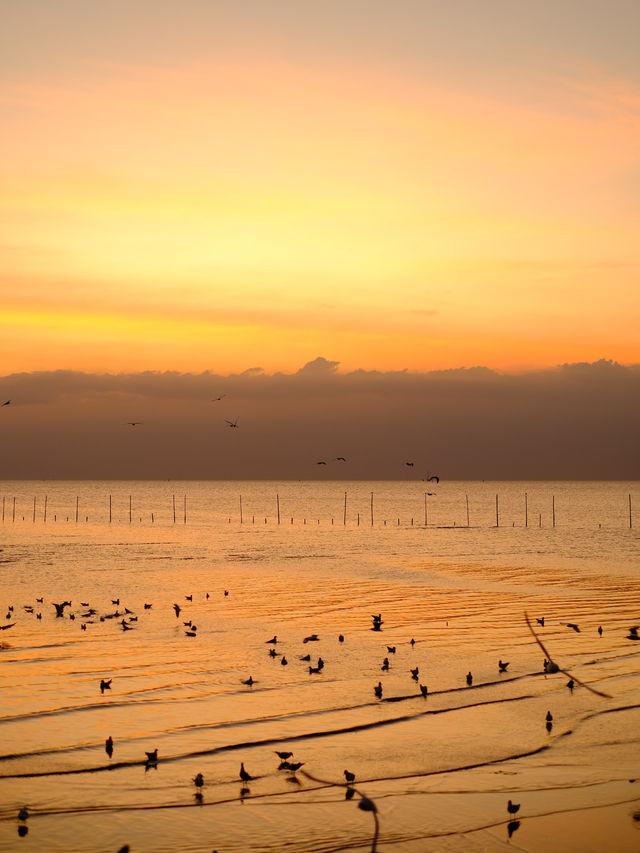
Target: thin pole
<point x="13" y="518"/>
<point x="240" y="509"/>
<point x="344" y="520"/>
<point x="553" y="509"/>
<point x="278" y="506"/>
<point x="630" y="519"/>
<point x="526" y="510"/>
<point x="3" y="509"/>
<point x="129" y="509"/>
<point x="372" y="509"/>
<point x="109" y="509"/>
<point x="185" y="509"/>
<point x="467" y="500"/>
<point x="44" y="515"/>
<point x="497" y="513"/>
<point x="174" y="509"/>
<point x="34" y="510"/>
<point x="425" y="509"/>
<point x="77" y="501"/>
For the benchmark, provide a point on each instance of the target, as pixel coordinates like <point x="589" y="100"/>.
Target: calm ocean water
<point x="454" y="570"/>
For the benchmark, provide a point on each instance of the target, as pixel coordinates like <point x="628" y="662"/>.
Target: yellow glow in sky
<point x="260" y="204"/>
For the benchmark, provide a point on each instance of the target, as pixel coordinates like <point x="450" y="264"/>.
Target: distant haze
<point x="577" y="421"/>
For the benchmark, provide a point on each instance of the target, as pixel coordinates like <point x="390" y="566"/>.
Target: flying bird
<point x="409" y="464"/>
<point x="432" y="479"/>
<point x="217" y="399"/>
<point x="232" y="424"/>
<point x="133" y="423"/>
<point x="340" y="459"/>
<point x="552" y="667"/>
<point x="7" y="403"/>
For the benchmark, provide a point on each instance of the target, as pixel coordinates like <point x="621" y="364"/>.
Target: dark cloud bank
<point x="578" y="421"/>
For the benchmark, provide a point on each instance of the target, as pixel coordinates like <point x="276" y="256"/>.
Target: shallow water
<point x="440" y="770"/>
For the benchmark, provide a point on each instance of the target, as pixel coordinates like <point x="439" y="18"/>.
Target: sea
<point x="203" y="628"/>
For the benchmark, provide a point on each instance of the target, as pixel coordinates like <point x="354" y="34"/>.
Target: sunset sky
<point x="213" y="185"/>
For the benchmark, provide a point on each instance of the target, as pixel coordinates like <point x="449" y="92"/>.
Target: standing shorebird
<point x="350" y="777"/>
<point x="469" y="679"/>
<point x="198" y="780"/>
<point x="246" y="777"/>
<point x="513" y="808"/>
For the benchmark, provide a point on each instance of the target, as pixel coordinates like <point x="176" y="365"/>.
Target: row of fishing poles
<point x="12" y="513"/>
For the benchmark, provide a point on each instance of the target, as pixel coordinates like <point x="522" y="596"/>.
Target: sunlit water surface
<point x="454" y="570"/>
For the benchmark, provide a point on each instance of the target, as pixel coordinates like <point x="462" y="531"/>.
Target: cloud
<point x="573" y="421"/>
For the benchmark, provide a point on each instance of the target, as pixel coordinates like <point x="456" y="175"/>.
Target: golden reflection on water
<point x="440" y="769"/>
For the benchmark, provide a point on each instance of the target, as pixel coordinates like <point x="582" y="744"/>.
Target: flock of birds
<point x="126" y="617"/>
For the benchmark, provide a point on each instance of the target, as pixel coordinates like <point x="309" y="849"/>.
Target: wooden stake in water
<point x="630" y="519"/>
<point x="426" y="516"/>
<point x="109" y="509"/>
<point x="278" y="507"/>
<point x="526" y="510"/>
<point x="129" y="509"/>
<point x="466" y="497"/>
<point x="553" y="509"/>
<point x="13" y="518"/>
<point x="185" y="509"/>
<point x="497" y="513"/>
<point x="174" y="509"/>
<point x="240" y="509"/>
<point x="44" y="514"/>
<point x="344" y="521"/>
<point x="77" y="502"/>
<point x="372" y="509"/>
<point x="34" y="510"/>
<point x="3" y="509"/>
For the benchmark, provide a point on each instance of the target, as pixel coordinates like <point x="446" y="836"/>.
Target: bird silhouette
<point x="105" y="685"/>
<point x="340" y="459"/>
<point x="246" y="777"/>
<point x="198" y="780"/>
<point x="551" y="667"/>
<point x="152" y="757"/>
<point x="513" y="808"/>
<point x="378" y="691"/>
<point x="574" y="626"/>
<point x="232" y="424"/>
<point x="350" y="777"/>
<point x="469" y="679"/>
<point x="177" y="609"/>
<point x="502" y="666"/>
<point x="217" y="399"/>
<point x="283" y="755"/>
<point x="432" y="479"/>
<point x="7" y="403"/>
<point x="108" y="746"/>
<point x="424" y="690"/>
<point x="249" y="681"/>
<point x="133" y="423"/>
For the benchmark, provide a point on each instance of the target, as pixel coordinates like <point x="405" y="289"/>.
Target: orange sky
<point x="190" y="187"/>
